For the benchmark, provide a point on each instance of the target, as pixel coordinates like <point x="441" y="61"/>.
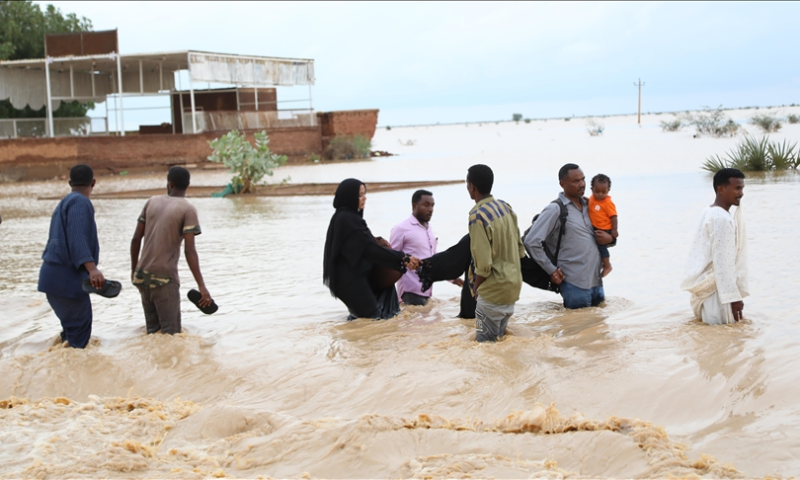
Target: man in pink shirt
<point x="414" y="236"/>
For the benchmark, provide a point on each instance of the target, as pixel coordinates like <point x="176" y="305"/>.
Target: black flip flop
<point x="195" y="296"/>
<point x="110" y="290"/>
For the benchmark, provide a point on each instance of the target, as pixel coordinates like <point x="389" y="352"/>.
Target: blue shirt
<point x="71" y="243"/>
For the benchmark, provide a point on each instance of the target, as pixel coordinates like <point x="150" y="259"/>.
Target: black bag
<point x="532" y="273"/>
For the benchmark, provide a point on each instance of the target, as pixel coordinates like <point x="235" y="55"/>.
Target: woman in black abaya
<point x="355" y="264"/>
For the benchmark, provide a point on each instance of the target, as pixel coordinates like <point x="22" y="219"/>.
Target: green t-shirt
<point x="496" y="249"/>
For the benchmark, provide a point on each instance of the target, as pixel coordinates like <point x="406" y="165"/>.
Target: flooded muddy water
<point x="278" y="384"/>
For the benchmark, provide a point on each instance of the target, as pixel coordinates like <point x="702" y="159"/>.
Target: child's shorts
<point x="604" y="248"/>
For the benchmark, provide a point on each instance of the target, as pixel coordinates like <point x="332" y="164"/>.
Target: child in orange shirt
<point x="603" y="214"/>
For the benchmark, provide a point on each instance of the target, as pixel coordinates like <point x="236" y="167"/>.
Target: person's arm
<point x="538" y="233"/>
<point x="397" y="238"/>
<point x="614" y="232"/>
<point x="136" y="246"/>
<point x="723" y="258"/>
<point x="520" y="245"/>
<point x="481" y="250"/>
<point x="79" y="216"/>
<point x="194" y="265"/>
<point x="383" y="256"/>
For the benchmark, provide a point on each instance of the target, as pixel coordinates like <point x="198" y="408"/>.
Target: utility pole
<point x="640" y="84"/>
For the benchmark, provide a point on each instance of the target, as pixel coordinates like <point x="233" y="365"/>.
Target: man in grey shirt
<point x="579" y="264"/>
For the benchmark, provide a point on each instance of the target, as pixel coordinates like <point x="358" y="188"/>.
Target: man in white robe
<point x="716" y="272"/>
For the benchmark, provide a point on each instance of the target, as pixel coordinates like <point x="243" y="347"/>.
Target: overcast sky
<point x="449" y="62"/>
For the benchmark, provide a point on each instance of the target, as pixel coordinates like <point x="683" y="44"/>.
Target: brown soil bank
<point x="287" y="190"/>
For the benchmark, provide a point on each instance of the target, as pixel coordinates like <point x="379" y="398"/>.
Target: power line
<point x="640" y="84"/>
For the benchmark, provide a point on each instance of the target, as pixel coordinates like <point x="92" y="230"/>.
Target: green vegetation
<point x="388" y="127"/>
<point x="767" y="123"/>
<point x="516" y="117"/>
<point x="22" y="29"/>
<point x="792" y="118"/>
<point x="671" y="125"/>
<point x="527" y="120"/>
<point x="712" y="122"/>
<point x="249" y="165"/>
<point x="348" y="148"/>
<point x="752" y="155"/>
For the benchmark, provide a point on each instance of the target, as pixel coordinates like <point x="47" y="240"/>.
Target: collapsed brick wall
<point x="347" y="123"/>
<point x="41" y="158"/>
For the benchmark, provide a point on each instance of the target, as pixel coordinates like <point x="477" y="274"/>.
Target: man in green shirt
<point x="496" y="248"/>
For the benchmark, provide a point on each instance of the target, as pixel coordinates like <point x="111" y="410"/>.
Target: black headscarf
<point x="348" y="220"/>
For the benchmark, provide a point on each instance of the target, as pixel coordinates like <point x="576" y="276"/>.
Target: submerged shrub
<point x="516" y="117"/>
<point x="712" y="121"/>
<point x="594" y="127"/>
<point x="671" y="125"/>
<point x="792" y="118"/>
<point x="249" y="165"/>
<point x="348" y="148"/>
<point x="753" y="155"/>
<point x="783" y="155"/>
<point x="767" y="123"/>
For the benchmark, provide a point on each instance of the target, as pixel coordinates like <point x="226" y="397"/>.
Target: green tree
<point x="23" y="25"/>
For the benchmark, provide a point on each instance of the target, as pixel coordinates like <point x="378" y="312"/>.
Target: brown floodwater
<point x="278" y="384"/>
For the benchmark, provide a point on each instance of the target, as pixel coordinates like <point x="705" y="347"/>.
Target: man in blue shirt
<point x="71" y="255"/>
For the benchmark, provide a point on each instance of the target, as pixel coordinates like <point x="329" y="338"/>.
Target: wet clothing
<point x="413" y="299"/>
<point x="578" y="257"/>
<point x="716" y="271"/>
<point x="351" y="253"/>
<point x="75" y="315"/>
<point x="415" y="239"/>
<point x="162" y="308"/>
<point x="491" y="320"/>
<point x="72" y="241"/>
<point x="496" y="250"/>
<point x="575" y="297"/>
<point x="166" y="220"/>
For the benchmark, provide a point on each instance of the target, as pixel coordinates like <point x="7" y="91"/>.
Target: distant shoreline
<point x="540" y="119"/>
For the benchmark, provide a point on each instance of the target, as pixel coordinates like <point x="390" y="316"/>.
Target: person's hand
<point x="412" y="263"/>
<point x="557" y="277"/>
<point x="96" y="278"/>
<point x="614" y="233"/>
<point x="738" y="310"/>
<point x="382" y="242"/>
<point x="458" y="282"/>
<point x="602" y="237"/>
<point x="205" y="298"/>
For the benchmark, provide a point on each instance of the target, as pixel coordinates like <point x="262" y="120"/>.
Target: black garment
<point x="455" y="261"/>
<point x="414" y="299"/>
<point x="350" y="254"/>
<point x="451" y="263"/>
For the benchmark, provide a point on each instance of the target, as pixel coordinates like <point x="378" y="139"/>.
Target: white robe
<point x="716" y="272"/>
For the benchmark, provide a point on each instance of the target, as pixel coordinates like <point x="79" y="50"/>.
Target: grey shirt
<point x="578" y="258"/>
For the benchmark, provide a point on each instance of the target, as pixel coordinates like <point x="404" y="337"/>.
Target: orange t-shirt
<point x="600" y="213"/>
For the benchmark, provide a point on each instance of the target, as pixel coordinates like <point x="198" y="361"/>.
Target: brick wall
<point x="39" y="158"/>
<point x="347" y="123"/>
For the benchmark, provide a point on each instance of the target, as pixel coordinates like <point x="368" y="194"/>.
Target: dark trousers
<point x="162" y="308"/>
<point x="414" y="299"/>
<point x="75" y="315"/>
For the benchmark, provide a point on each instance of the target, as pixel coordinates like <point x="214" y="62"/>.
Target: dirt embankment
<point x="285" y="190"/>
